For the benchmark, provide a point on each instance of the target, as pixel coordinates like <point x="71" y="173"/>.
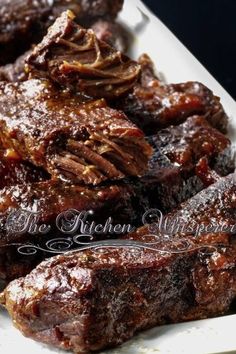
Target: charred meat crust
<point x="82" y="141"/>
<point x="76" y="59"/>
<point x="215" y="204"/>
<point x="185" y="159"/>
<point x="154" y="105"/>
<point x="91" y="300"/>
<point x="213" y="209"/>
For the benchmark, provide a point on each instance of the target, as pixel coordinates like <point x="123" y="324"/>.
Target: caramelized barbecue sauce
<point x="14" y="171"/>
<point x="39" y="122"/>
<point x="154" y="105"/>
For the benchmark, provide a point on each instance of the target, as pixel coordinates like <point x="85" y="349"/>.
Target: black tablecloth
<point x="208" y="29"/>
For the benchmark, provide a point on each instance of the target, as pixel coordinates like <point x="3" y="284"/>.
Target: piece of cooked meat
<point x="185" y="156"/>
<point x="154" y="105"/>
<point x="21" y="23"/>
<point x="16" y="71"/>
<point x="149" y="76"/>
<point x="213" y="210"/>
<point x="69" y="137"/>
<point x="25" y="206"/>
<point x="87" y="302"/>
<point x="112" y="33"/>
<point x="25" y="22"/>
<point x="171" y="179"/>
<point x="14" y="171"/>
<point x="214" y="205"/>
<point x="76" y="59"/>
<point x="88" y="11"/>
<point x="97" y="298"/>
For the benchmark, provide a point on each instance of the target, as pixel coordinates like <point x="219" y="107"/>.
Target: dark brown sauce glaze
<point x="76" y="59"/>
<point x="154" y="105"/>
<point x="91" y="300"/>
<point x="25" y="22"/>
<point x="187" y="158"/>
<point x="48" y="127"/>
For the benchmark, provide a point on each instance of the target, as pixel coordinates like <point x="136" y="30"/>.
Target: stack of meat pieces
<point x="83" y="128"/>
<point x="25" y="22"/>
<point x="77" y="143"/>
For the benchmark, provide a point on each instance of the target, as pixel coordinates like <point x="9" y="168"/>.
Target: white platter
<point x="200" y="337"/>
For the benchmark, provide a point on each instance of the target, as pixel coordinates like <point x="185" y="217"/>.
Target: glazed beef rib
<point x="186" y="159"/>
<point x="96" y="298"/>
<point x="42" y="203"/>
<point x="25" y="22"/>
<point x="80" y="141"/>
<point x="154" y="105"/>
<point x="76" y="59"/>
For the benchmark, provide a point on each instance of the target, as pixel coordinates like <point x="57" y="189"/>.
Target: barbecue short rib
<point x="69" y="137"/>
<point x="154" y="105"/>
<point x="186" y="159"/>
<point x="76" y="59"/>
<point x="93" y="299"/>
<point x="42" y="203"/>
<point x="25" y="22"/>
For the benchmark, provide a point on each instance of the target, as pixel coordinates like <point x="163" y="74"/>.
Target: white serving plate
<point x="209" y="336"/>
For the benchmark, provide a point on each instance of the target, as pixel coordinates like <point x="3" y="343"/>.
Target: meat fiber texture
<point x="25" y="22"/>
<point x="76" y="59"/>
<point x="70" y="136"/>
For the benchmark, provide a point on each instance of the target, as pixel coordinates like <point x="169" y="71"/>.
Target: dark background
<point x="208" y="29"/>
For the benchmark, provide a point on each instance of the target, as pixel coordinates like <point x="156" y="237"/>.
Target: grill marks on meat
<point x="153" y="105"/>
<point x="76" y="59"/>
<point x="78" y="140"/>
<point x="24" y="22"/>
<point x="184" y="158"/>
<point x="70" y="309"/>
